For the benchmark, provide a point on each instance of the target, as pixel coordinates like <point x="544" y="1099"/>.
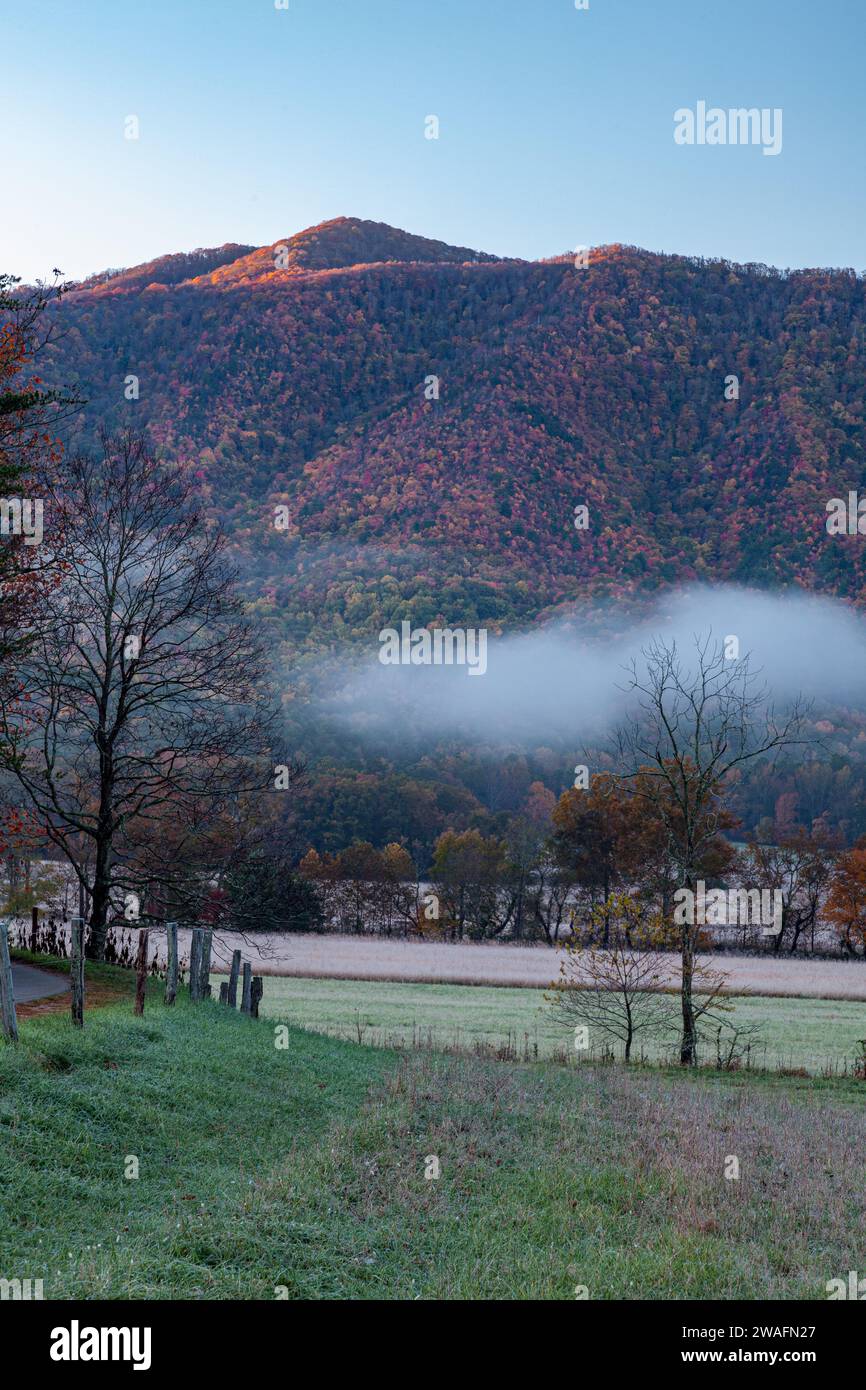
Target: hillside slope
<point x="310" y="384"/>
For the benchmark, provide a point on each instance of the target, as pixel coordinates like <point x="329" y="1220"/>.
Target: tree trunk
<point x="688" y="1042"/>
<point x="688" y="1050"/>
<point x="780" y="935"/>
<point x="99" y="905"/>
<point x="76" y="971"/>
<point x="518" y="918"/>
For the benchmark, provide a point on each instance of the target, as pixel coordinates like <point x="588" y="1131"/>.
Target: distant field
<point x="810" y="1033"/>
<point x="497" y="963"/>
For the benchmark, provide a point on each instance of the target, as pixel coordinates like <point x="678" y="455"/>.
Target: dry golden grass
<point x="492" y="963"/>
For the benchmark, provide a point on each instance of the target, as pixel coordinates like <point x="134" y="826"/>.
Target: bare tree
<point x="143" y="688"/>
<point x="692" y="726"/>
<point x="618" y="990"/>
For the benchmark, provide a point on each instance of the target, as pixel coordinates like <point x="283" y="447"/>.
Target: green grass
<point x="304" y="1169"/>
<point x="204" y="1100"/>
<point x="810" y="1033"/>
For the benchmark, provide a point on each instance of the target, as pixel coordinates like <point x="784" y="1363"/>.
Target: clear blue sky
<point x="556" y="125"/>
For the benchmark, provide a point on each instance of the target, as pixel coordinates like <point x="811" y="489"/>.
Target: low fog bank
<point x="555" y="682"/>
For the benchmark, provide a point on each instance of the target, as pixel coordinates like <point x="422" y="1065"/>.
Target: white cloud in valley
<point x="561" y="681"/>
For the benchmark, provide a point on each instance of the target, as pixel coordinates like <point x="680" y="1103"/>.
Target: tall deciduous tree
<point x="845" y="908"/>
<point x="468" y="872"/>
<point x="594" y="833"/>
<point x="142" y="685"/>
<point x="693" y="723"/>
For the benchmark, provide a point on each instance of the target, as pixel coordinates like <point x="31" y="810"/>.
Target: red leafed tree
<point x="22" y="837"/>
<point x="846" y="902"/>
<point x="28" y="413"/>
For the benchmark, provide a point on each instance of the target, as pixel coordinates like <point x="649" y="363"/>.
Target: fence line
<point x="68" y="939"/>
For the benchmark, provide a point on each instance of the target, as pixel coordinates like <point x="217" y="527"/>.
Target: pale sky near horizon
<point x="556" y="126"/>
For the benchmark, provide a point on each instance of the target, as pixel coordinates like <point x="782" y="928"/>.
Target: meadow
<point x="305" y="1171"/>
<point x="816" y="1035"/>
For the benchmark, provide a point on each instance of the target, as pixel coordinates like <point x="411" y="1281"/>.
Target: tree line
<point x="545" y="880"/>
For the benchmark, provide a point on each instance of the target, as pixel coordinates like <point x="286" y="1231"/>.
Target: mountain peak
<point x="355" y="241"/>
<point x="338" y="244"/>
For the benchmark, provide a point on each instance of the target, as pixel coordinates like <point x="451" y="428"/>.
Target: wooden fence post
<point x="34" y="927"/>
<point x="8" y="1017"/>
<point x="141" y="971"/>
<point x="204" y="964"/>
<point x="246" y="994"/>
<point x="171" y="966"/>
<point x="194" y="963"/>
<point x="233" y="979"/>
<point x="76" y="969"/>
<point x="257" y="990"/>
<point x="224" y="992"/>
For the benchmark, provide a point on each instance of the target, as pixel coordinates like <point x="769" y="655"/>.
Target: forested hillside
<point x="558" y="386"/>
<point x="431" y="417"/>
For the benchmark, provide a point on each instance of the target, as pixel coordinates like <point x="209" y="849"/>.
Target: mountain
<point x="432" y="417"/>
<point x="334" y="245"/>
<point x="302" y="373"/>
<point x="345" y="241"/>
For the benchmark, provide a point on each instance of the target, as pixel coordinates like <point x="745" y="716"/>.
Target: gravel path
<point x="29" y="983"/>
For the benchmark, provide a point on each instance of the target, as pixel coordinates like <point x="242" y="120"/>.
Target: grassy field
<point x="303" y="1170"/>
<point x="815" y="1034"/>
